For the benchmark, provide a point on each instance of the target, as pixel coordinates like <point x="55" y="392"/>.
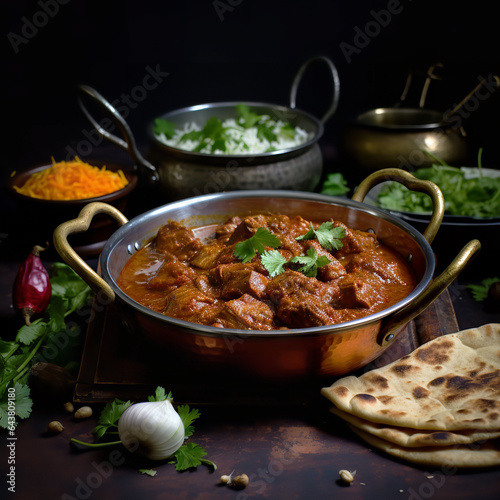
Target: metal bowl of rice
<point x="185" y="168"/>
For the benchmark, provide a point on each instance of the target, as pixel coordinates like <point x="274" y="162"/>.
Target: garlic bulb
<point x="153" y="429"/>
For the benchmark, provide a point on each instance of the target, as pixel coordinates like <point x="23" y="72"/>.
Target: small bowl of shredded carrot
<point x="70" y="181"/>
<point x="50" y="194"/>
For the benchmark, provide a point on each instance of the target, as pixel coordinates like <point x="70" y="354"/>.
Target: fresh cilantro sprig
<point x="190" y="455"/>
<point x="69" y="294"/>
<point x="160" y="395"/>
<point x="335" y="185"/>
<point x="328" y="236"/>
<point x="480" y="292"/>
<point x="246" y="250"/>
<point x="165" y="127"/>
<point x="110" y="416"/>
<point x="275" y="263"/>
<point x="310" y="262"/>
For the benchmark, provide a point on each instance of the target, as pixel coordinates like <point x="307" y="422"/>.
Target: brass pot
<point x="281" y="354"/>
<point x="398" y="138"/>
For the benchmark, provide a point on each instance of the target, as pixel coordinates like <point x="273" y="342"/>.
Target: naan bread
<point x="449" y="383"/>
<point x="404" y="436"/>
<point x="481" y="454"/>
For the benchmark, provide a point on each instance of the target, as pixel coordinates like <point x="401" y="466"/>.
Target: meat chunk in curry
<point x="207" y="282"/>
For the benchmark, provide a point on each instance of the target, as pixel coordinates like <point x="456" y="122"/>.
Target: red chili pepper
<point x="32" y="287"/>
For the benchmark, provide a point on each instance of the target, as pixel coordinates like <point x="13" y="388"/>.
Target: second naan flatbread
<point x="404" y="436"/>
<point x="482" y="454"/>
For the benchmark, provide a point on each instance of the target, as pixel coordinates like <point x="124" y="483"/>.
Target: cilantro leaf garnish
<point x="165" y="127"/>
<point x="480" y="292"/>
<point x="160" y="395"/>
<point x="247" y="118"/>
<point x="287" y="131"/>
<point x="246" y="250"/>
<point x="22" y="405"/>
<point x="328" y="236"/>
<point x="335" y="185"/>
<point x="188" y="416"/>
<point x="311" y="262"/>
<point x="110" y="416"/>
<point x="274" y="262"/>
<point x="190" y="455"/>
<point x="148" y="472"/>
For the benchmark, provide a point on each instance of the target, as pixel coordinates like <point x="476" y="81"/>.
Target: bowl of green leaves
<point x="472" y="205"/>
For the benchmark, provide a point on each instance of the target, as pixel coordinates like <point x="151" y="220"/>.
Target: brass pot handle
<point x="411" y="182"/>
<point x="396" y="322"/>
<point x="68" y="254"/>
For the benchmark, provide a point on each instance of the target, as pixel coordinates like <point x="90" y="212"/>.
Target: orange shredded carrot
<point x="72" y="180"/>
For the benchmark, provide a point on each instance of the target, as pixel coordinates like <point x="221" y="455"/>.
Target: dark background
<point x="233" y="50"/>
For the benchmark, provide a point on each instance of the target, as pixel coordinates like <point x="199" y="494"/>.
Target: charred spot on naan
<point x="366" y="398"/>
<point x="378" y="381"/>
<point x="435" y="353"/>
<point x="385" y="399"/>
<point x="402" y="370"/>
<point x="341" y="391"/>
<point x="440" y="436"/>
<point x="420" y="392"/>
<point x="437" y="381"/>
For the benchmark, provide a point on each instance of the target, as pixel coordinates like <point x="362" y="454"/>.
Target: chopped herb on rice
<point x="249" y="134"/>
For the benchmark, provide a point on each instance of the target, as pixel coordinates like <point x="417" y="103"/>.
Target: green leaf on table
<point x="480" y="292"/>
<point x="246" y="250"/>
<point x="335" y="185"/>
<point x="110" y="416"/>
<point x="190" y="455"/>
<point x="28" y="334"/>
<point x="7" y="348"/>
<point x="22" y="404"/>
<point x="148" y="472"/>
<point x="160" y="395"/>
<point x="67" y="285"/>
<point x="188" y="416"/>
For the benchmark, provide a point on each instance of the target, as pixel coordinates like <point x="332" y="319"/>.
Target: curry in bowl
<point x="266" y="272"/>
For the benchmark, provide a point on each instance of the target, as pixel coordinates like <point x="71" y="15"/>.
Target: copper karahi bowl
<point x="277" y="354"/>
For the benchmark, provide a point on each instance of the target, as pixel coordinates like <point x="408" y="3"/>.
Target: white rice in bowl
<point x="239" y="140"/>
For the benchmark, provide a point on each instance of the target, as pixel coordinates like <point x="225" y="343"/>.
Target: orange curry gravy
<point x="181" y="276"/>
